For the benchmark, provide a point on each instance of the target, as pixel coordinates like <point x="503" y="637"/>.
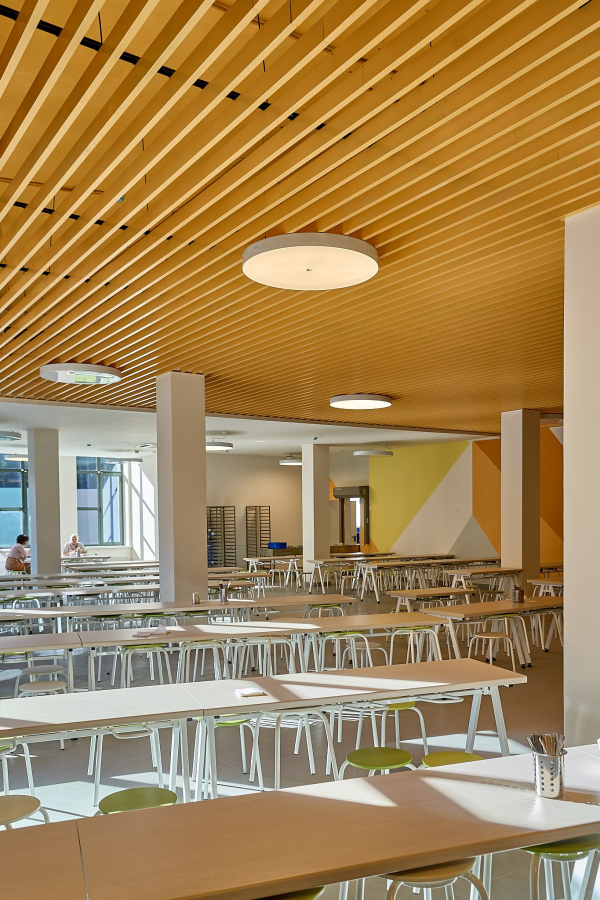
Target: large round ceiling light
<point x="290" y="461"/>
<point x="360" y="401"/>
<point x="80" y="373"/>
<point x="310" y="261"/>
<point x="10" y="436"/>
<point x="373" y="453"/>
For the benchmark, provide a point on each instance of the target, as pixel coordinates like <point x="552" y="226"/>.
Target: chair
<point x="579" y="850"/>
<point x="136" y="798"/>
<point x="17" y="807"/>
<point x="443" y="875"/>
<point x="377" y="759"/>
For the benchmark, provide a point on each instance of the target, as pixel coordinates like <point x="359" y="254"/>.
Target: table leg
<point x="91" y="675"/>
<point x="174" y="755"/>
<point x="453" y="638"/>
<point x="499" y="716"/>
<point x="185" y="761"/>
<point x="473" y="720"/>
<point x="212" y="753"/>
<point x="71" y="684"/>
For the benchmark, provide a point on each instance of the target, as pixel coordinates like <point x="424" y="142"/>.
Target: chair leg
<point x="98" y="765"/>
<point x="28" y="769"/>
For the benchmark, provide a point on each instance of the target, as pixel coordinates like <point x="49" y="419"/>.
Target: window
<point x="99" y="500"/>
<point x="14" y="512"/>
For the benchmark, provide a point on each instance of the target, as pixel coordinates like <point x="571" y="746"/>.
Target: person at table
<point x="74" y="546"/>
<point x="17" y="559"/>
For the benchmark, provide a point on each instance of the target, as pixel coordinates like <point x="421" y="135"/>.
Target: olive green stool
<point x="15" y="807"/>
<point x="448" y="758"/>
<point x="136" y="798"/>
<point x="441" y="876"/>
<point x="377" y="759"/>
<point x="579" y="850"/>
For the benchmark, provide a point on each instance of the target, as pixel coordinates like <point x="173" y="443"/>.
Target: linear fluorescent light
<point x="290" y="461"/>
<point x="312" y="261"/>
<point x="360" y="401"/>
<point x="16" y="457"/>
<point x="80" y="373"/>
<point x="218" y="446"/>
<point x="373" y="453"/>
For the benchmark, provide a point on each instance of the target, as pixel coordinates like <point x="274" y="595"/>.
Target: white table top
<point x="425" y="593"/>
<point x="80" y="711"/>
<point x="440" y="814"/>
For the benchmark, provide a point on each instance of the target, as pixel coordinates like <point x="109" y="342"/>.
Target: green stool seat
<point x="408" y="704"/>
<point x="136" y="798"/>
<point x="308" y="894"/>
<point x="448" y="758"/>
<point x="379" y="758"/>
<point x="567" y="850"/>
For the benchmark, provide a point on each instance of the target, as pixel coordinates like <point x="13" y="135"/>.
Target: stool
<point x="17" y="807"/>
<point x="563" y="852"/>
<point x="377" y="759"/>
<point x="136" y="798"/>
<point x="430" y="877"/>
<point x="123" y="733"/>
<point x="202" y="760"/>
<point x="10" y="747"/>
<point x="448" y="758"/>
<point x="35" y="688"/>
<point x="51" y="669"/>
<point x="490" y="637"/>
<point x="152" y="650"/>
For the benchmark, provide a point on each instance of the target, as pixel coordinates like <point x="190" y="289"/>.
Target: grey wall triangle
<point x="472" y="541"/>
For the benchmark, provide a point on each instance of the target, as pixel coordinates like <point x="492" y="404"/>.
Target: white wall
<point x="242" y="481"/>
<point x="581" y="482"/>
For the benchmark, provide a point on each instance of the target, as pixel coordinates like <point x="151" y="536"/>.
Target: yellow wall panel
<point x="399" y="486"/>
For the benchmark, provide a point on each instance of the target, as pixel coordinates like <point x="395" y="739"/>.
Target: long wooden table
<point x="322" y="834"/>
<point x="409" y="596"/>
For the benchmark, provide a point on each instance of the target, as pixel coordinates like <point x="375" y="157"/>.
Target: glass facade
<point x="14" y="506"/>
<point x="99" y="500"/>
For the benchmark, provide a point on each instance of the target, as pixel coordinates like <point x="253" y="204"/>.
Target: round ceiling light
<point x="290" y="461"/>
<point x="80" y="373"/>
<point x="312" y="261"/>
<point x="372" y="452"/>
<point x="360" y="401"/>
<point x="10" y="436"/>
<point x="218" y="446"/>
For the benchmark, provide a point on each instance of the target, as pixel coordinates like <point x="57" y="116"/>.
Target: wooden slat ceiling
<point x="145" y="143"/>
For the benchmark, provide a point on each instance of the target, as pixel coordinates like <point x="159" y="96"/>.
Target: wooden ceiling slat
<point x="457" y="137"/>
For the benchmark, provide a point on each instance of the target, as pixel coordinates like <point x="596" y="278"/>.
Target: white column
<point x="315" y="503"/>
<point x="520" y="492"/>
<point x="44" y="500"/>
<point x="181" y="482"/>
<point x="581" y="476"/>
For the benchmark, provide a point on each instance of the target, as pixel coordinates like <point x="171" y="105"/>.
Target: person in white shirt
<point x="73" y="546"/>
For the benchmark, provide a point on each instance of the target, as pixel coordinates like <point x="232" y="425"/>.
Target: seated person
<point x="17" y="559"/>
<point x="73" y="546"/>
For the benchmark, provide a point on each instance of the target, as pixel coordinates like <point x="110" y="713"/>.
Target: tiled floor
<point x="65" y="788"/>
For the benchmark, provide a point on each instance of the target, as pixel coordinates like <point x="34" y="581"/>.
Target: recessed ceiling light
<point x="360" y="401"/>
<point x="372" y="452"/>
<point x="312" y="261"/>
<point x="290" y="461"/>
<point x="10" y="436"/>
<point x="80" y="373"/>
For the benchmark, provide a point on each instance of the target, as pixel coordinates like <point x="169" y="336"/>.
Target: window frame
<point x="101" y="473"/>
<point x="23" y="469"/>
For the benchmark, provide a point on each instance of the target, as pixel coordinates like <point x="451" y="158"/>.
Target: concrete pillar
<point x="181" y="482"/>
<point x="315" y="503"/>
<point x="581" y="482"/>
<point x="44" y="500"/>
<point x="520" y="492"/>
